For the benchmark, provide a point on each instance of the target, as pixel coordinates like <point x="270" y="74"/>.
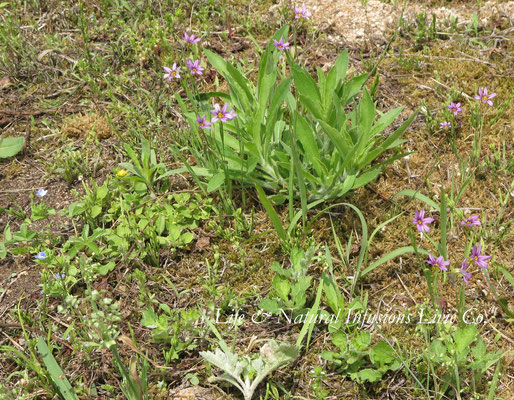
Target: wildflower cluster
<point x="422" y="225"/>
<point x="195" y="67"/>
<point x="456" y="108"/>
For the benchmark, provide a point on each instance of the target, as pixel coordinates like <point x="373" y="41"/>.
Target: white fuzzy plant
<point x="247" y="372"/>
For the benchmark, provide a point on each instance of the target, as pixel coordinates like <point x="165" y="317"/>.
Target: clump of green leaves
<point x="318" y="147"/>
<point x="452" y="358"/>
<point x="173" y="327"/>
<point x="360" y="361"/>
<point x="126" y="215"/>
<point x="71" y="163"/>
<point x="290" y="285"/>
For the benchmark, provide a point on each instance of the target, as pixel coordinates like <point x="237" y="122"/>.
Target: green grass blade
<point x="275" y="219"/>
<point x="443" y="225"/>
<point x="494" y="382"/>
<point x="416" y="195"/>
<point x="390" y="256"/>
<point x="310" y="319"/>
<point x="56" y="373"/>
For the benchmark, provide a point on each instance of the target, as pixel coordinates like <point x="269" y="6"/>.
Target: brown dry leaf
<point x="202" y="243"/>
<point x="5" y="81"/>
<point x="194" y="392"/>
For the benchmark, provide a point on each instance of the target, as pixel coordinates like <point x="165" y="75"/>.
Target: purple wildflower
<point x="40" y="256"/>
<point x="301" y="12"/>
<point x="203" y="123"/>
<point x="454" y="107"/>
<point x="464" y="271"/>
<point x="221" y="113"/>
<point x="172" y="72"/>
<point x="191" y="39"/>
<point x="281" y="44"/>
<point x="484" y="96"/>
<point x="480" y="259"/>
<point x="422" y="222"/>
<point x="437" y="262"/>
<point x="445" y="125"/>
<point x="195" y="67"/>
<point x="470" y="221"/>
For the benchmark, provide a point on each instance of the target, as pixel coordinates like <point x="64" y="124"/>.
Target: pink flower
<point x="480" y="259"/>
<point x="191" y="39"/>
<point x="422" y="222"/>
<point x="195" y="67"/>
<point x="437" y="262"/>
<point x="454" y="107"/>
<point x="281" y="44"/>
<point x="221" y="113"/>
<point x="486" y="98"/>
<point x="203" y="123"/>
<point x="464" y="271"/>
<point x="301" y="12"/>
<point x="445" y="125"/>
<point x="172" y="72"/>
<point x="470" y="221"/>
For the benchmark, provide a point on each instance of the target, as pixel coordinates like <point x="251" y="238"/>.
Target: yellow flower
<point x="121" y="173"/>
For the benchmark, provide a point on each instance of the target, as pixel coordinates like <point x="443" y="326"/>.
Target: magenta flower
<point x="464" y="271"/>
<point x="221" y="114"/>
<point x="195" y="67"/>
<point x="301" y="12"/>
<point x="203" y="123"/>
<point x="191" y="39"/>
<point x="422" y="222"/>
<point x="281" y="44"/>
<point x="445" y="125"/>
<point x="454" y="107"/>
<point x="470" y="221"/>
<point x="437" y="262"/>
<point x="172" y="72"/>
<point x="486" y="98"/>
<point x="480" y="259"/>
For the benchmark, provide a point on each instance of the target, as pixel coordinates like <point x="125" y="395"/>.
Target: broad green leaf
<point x="351" y="88"/>
<point x="366" y="116"/>
<point x="306" y="136"/>
<point x="3" y="251"/>
<point x="340" y="340"/>
<point x="308" y="89"/>
<point x="366" y="375"/>
<point x="10" y="146"/>
<point x="332" y="294"/>
<point x="381" y="354"/>
<point x="282" y="287"/>
<point x="235" y="79"/>
<point x="464" y="337"/>
<point x="216" y="181"/>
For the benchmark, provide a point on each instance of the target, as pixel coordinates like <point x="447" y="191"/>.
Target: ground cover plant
<point x="238" y="200"/>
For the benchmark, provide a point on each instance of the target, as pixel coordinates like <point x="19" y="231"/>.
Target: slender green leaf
<point x="56" y="373"/>
<point x="275" y="219"/>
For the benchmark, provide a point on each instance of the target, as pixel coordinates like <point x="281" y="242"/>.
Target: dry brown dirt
<point x="351" y="21"/>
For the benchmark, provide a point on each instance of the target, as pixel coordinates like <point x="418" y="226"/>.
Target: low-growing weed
<point x="359" y="360"/>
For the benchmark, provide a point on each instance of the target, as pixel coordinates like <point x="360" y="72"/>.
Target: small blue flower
<point x="40" y="256"/>
<point x="60" y="276"/>
<point x="41" y="192"/>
